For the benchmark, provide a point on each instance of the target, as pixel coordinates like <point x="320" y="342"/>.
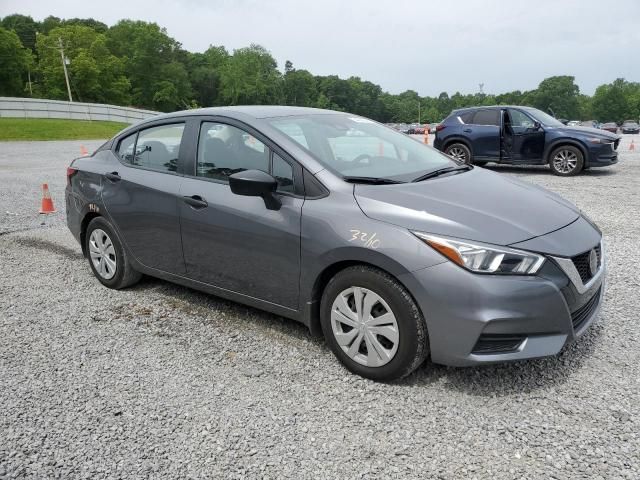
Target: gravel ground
<point x="161" y="381"/>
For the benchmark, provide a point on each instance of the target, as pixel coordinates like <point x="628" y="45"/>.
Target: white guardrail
<point x="42" y="108"/>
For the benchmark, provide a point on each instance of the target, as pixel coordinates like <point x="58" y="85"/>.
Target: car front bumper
<point x="602" y="156"/>
<point x="471" y="317"/>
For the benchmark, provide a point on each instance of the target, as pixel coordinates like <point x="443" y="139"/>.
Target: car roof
<point x="491" y="107"/>
<point x="238" y="112"/>
<point x="254" y="111"/>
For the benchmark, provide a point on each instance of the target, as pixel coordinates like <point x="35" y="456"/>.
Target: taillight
<point x="439" y="128"/>
<point x="70" y="173"/>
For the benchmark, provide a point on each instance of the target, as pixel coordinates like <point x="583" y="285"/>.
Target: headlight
<point x="603" y="141"/>
<point x="481" y="258"/>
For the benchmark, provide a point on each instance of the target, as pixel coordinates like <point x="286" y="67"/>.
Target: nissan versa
<point x="391" y="249"/>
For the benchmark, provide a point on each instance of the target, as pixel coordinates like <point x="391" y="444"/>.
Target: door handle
<point x="195" y="201"/>
<point x="467" y="130"/>
<point x="113" y="176"/>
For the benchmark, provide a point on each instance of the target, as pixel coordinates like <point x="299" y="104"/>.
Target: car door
<point x="484" y="133"/>
<point x="527" y="141"/>
<point x="141" y="193"/>
<point x="234" y="242"/>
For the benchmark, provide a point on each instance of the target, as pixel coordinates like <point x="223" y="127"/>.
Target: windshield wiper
<point x="371" y="180"/>
<point x="442" y="171"/>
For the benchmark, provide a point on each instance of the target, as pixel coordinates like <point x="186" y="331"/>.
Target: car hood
<point x="587" y="131"/>
<point x="476" y="205"/>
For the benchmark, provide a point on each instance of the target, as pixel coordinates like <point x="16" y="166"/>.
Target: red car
<point x="610" y="127"/>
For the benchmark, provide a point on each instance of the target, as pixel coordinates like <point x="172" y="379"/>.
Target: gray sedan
<point x="392" y="250"/>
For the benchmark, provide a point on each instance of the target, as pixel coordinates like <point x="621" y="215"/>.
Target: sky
<point x="429" y="46"/>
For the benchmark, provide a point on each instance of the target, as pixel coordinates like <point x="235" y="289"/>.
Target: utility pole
<point x="64" y="67"/>
<point x="29" y="76"/>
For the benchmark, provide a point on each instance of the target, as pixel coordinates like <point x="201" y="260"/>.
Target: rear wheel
<point x="107" y="258"/>
<point x="460" y="152"/>
<point x="372" y="324"/>
<point x="566" y="161"/>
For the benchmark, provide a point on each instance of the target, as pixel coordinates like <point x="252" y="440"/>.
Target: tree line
<point x="137" y="63"/>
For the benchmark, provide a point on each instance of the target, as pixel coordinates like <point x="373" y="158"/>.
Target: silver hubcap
<point x="364" y="326"/>
<point x="458" y="154"/>
<point x="103" y="255"/>
<point x="565" y="161"/>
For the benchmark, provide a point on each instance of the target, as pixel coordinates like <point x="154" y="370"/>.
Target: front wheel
<point x="372" y="324"/>
<point x="566" y="161"/>
<point x="460" y="152"/>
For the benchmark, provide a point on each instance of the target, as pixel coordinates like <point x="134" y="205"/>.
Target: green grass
<point x="56" y="129"/>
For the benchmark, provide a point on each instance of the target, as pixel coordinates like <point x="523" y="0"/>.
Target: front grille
<point x="616" y="143"/>
<point x="581" y="262"/>
<point x="584" y="312"/>
<point x="498" y="344"/>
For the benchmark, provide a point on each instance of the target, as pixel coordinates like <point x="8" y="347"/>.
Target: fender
<point x="565" y="141"/>
<point x="458" y="139"/>
<point x="312" y="284"/>
<point x="314" y="279"/>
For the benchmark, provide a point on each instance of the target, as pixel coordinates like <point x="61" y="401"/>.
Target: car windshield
<point x="354" y="146"/>
<point x="544" y="118"/>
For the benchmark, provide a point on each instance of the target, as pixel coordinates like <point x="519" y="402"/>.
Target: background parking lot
<point x="162" y="381"/>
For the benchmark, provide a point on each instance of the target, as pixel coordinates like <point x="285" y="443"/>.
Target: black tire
<point x="566" y="161"/>
<point x="460" y="152"/>
<point x="413" y="342"/>
<point x="125" y="275"/>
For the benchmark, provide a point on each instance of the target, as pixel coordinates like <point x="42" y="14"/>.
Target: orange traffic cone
<point x="47" y="202"/>
<point x="83" y="150"/>
<point x="426" y="134"/>
<point x="632" y="146"/>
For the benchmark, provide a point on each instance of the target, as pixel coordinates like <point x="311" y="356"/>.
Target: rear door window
<point x="158" y="148"/>
<point x="487" y="117"/>
<point x="125" y="149"/>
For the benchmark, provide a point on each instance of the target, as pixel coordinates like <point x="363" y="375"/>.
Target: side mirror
<point x="256" y="183"/>
<point x="537" y="125"/>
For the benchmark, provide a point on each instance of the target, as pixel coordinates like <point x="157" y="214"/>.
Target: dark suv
<point x="524" y="135"/>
